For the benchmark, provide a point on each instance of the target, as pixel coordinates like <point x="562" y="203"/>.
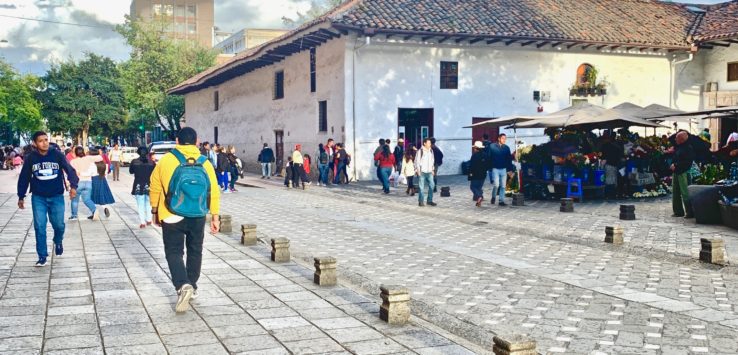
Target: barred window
<point x="449" y="75"/>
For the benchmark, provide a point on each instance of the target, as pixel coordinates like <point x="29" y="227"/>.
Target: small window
<point x="215" y="134"/>
<point x="279" y="85"/>
<point x="449" y="75"/>
<point x="323" y="116"/>
<point x="312" y="70"/>
<point x="733" y="71"/>
<point x="216" y="101"/>
<point x="584" y="74"/>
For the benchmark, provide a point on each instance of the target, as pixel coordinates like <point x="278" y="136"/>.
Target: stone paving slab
<point x="110" y="293"/>
<point x="569" y="296"/>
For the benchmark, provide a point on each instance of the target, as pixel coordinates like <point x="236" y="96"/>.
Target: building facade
<point x="363" y="72"/>
<point x="186" y="19"/>
<point x="246" y="39"/>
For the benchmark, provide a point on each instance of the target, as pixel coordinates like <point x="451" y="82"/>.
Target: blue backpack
<point x="189" y="188"/>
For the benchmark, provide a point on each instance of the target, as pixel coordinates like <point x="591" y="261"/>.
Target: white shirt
<point x="115" y="155"/>
<point x="424" y="160"/>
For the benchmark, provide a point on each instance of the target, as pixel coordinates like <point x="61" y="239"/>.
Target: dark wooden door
<point x="478" y="132"/>
<point x="414" y="125"/>
<point x="279" y="150"/>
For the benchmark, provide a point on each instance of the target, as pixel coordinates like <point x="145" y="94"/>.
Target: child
<point x="17" y="161"/>
<point x="101" y="194"/>
<point x="288" y="173"/>
<point x="408" y="169"/>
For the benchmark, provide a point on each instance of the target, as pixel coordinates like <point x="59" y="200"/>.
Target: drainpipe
<point x="672" y="76"/>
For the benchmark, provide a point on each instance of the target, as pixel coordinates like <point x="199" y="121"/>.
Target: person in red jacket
<point x="386" y="163"/>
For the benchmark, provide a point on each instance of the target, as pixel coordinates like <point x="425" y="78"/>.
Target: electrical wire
<point x="56" y="22"/>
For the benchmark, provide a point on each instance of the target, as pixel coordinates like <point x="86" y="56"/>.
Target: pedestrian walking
<point x="116" y="159"/>
<point x="222" y="167"/>
<point x="288" y="173"/>
<point x="44" y="173"/>
<point x="233" y="162"/>
<point x="266" y="159"/>
<point x="386" y="162"/>
<point x="437" y="162"/>
<point x="399" y="152"/>
<point x="343" y="159"/>
<point x="299" y="177"/>
<point x="479" y="164"/>
<point x="83" y="164"/>
<point x="376" y="162"/>
<point x="501" y="162"/>
<point x="408" y="170"/>
<point x="212" y="154"/>
<point x="141" y="168"/>
<point x="179" y="181"/>
<point x="682" y="163"/>
<point x="425" y="170"/>
<point x="101" y="194"/>
<point x="330" y="148"/>
<point x="323" y="159"/>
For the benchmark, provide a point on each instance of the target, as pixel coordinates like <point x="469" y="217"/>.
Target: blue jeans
<point x="423" y="180"/>
<point x="234" y="176"/>
<point x="266" y="169"/>
<point x="477" y="188"/>
<point x="53" y="208"/>
<point x="323" y="170"/>
<point x="144" y="208"/>
<point x="84" y="191"/>
<point x="385" y="175"/>
<point x="223" y="180"/>
<point x="499" y="180"/>
<point x="341" y="170"/>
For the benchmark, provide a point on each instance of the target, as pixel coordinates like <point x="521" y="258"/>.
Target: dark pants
<point x="477" y="188"/>
<point x="298" y="174"/>
<point x="234" y="176"/>
<point x="189" y="232"/>
<point x="435" y="178"/>
<point x="341" y="171"/>
<point x="410" y="182"/>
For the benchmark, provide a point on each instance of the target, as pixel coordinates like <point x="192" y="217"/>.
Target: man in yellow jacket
<point x="178" y="231"/>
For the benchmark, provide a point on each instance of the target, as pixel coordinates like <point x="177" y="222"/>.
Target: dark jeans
<point x="477" y="188"/>
<point x="341" y="171"/>
<point x="410" y="182"/>
<point x="298" y="174"/>
<point x="435" y="177"/>
<point x="323" y="169"/>
<point x="234" y="176"/>
<point x="189" y="232"/>
<point x="223" y="179"/>
<point x="47" y="209"/>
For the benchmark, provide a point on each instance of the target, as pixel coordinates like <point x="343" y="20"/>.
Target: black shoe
<point x="677" y="215"/>
<point x="421" y="204"/>
<point x="492" y="201"/>
<point x="432" y="203"/>
<point x="689" y="216"/>
<point x="91" y="217"/>
<point x="435" y="190"/>
<point x="107" y="212"/>
<point x="58" y="249"/>
<point x="503" y="204"/>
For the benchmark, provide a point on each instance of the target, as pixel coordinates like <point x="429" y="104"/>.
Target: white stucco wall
<point x="716" y="66"/>
<point x="248" y="116"/>
<point x="495" y="81"/>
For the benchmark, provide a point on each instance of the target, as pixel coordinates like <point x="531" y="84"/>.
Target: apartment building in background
<point x="247" y="38"/>
<point x="186" y="19"/>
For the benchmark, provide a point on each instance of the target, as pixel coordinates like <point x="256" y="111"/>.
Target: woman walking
<point x="101" y="194"/>
<point x="141" y="169"/>
<point x="323" y="166"/>
<point x="233" y="161"/>
<point x="386" y="163"/>
<point x="478" y="167"/>
<point x="222" y="169"/>
<point x="408" y="170"/>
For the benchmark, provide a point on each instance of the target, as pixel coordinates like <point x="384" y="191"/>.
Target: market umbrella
<point x="503" y="121"/>
<point x="590" y="116"/>
<point x="660" y="113"/>
<point x="562" y="117"/>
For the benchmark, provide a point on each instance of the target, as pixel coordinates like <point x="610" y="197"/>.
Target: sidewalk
<point x="110" y="293"/>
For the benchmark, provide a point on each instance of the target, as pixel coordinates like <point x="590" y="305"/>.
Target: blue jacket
<point x="500" y="156"/>
<point x="44" y="174"/>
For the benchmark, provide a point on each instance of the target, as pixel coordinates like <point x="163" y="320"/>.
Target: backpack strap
<point x="201" y="160"/>
<point x="182" y="159"/>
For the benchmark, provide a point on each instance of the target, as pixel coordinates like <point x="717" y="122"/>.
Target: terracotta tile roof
<point x="646" y="22"/>
<point x="720" y="21"/>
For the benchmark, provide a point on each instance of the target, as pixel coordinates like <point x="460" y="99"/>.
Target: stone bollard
<point x="518" y="199"/>
<point x="395" y="307"/>
<point x="712" y="251"/>
<point x="446" y="191"/>
<point x="280" y="250"/>
<point x="225" y="224"/>
<point x="325" y="271"/>
<point x="567" y="205"/>
<point x="514" y="345"/>
<point x="614" y="235"/>
<point x="627" y="212"/>
<point x="248" y="234"/>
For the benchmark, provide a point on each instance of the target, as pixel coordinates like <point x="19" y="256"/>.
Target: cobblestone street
<point x="473" y="272"/>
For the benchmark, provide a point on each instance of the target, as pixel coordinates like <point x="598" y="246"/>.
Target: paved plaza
<point x="472" y="272"/>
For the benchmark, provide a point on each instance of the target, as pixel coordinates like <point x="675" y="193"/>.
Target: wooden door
<point x="478" y="132"/>
<point x="279" y="150"/>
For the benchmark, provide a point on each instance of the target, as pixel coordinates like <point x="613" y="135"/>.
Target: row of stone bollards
<point x="395" y="308"/>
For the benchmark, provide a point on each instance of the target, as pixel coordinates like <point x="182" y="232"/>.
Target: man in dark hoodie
<point x="682" y="162"/>
<point x="44" y="170"/>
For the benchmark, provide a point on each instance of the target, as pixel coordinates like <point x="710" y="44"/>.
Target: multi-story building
<point x="186" y="19"/>
<point x="246" y="39"/>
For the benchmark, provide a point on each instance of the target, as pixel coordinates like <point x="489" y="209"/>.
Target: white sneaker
<point x="195" y="295"/>
<point x="183" y="300"/>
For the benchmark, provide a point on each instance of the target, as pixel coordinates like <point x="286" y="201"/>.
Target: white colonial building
<point x="374" y="69"/>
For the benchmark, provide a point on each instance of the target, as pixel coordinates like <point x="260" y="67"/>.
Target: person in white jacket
<point x="408" y="169"/>
<point x="424" y="169"/>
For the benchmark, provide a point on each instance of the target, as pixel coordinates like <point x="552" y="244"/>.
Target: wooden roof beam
<point x="732" y="40"/>
<point x="426" y="38"/>
<point x="407" y="38"/>
<point x="507" y="43"/>
<point x="586" y="46"/>
<point x="460" y="39"/>
<point x="704" y="46"/>
<point x="539" y="45"/>
<point x="599" y="48"/>
<point x="444" y="39"/>
<point x="527" y="43"/>
<point x="556" y="44"/>
<point x="720" y="44"/>
<point x="573" y="45"/>
<point x="493" y="41"/>
<point x="475" y="40"/>
<point x="329" y="33"/>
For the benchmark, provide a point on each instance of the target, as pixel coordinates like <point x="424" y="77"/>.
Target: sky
<point x="32" y="45"/>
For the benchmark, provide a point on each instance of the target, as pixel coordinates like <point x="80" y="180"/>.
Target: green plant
<point x="592" y="76"/>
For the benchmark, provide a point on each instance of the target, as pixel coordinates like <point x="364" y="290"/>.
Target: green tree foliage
<point x="317" y="8"/>
<point x="19" y="109"/>
<point x="84" y="98"/>
<point x="157" y="64"/>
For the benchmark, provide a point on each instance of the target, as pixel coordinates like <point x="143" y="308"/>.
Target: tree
<point x="19" y="109"/>
<point x="317" y="8"/>
<point x="157" y="64"/>
<point x="84" y="98"/>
